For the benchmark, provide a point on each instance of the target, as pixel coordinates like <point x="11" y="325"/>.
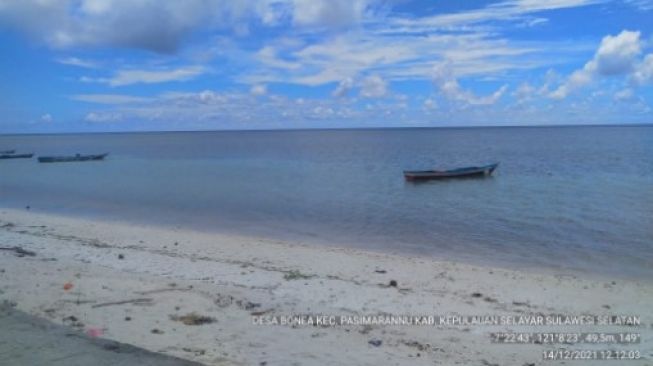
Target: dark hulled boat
<point x="65" y="159"/>
<point x="468" y="172"/>
<point x="16" y="156"/>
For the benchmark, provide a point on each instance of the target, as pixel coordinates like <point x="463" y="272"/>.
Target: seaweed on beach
<point x="193" y="319"/>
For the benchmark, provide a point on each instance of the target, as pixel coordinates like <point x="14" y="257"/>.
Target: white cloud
<point x="343" y="88"/>
<point x="103" y="117"/>
<point x="430" y="104"/>
<point x="644" y="71"/>
<point x="578" y="79"/>
<point x="330" y="13"/>
<point x="373" y="86"/>
<point x="379" y="47"/>
<point x="624" y="95"/>
<point x="448" y="85"/>
<point x="46" y="118"/>
<point x="268" y="55"/>
<point x="616" y="55"/>
<point x="393" y="57"/>
<point x="151" y="25"/>
<point x="524" y="92"/>
<point x="215" y="109"/>
<point x="161" y="26"/>
<point x="258" y="90"/>
<point x="644" y="5"/>
<point x="128" y="77"/>
<point x="321" y="112"/>
<point x="74" y="61"/>
<point x="112" y="99"/>
<point x="514" y="10"/>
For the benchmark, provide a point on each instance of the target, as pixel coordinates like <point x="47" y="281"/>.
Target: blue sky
<point x="148" y="65"/>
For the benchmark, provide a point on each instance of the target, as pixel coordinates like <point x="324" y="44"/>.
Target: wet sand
<point x="193" y="295"/>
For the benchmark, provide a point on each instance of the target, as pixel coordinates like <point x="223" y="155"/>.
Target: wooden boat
<point x="16" y="156"/>
<point x="469" y="172"/>
<point x="3" y="152"/>
<point x="76" y="157"/>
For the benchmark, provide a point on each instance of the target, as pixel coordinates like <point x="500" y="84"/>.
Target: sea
<point x="575" y="200"/>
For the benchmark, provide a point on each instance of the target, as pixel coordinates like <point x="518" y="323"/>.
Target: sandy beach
<point x="194" y="296"/>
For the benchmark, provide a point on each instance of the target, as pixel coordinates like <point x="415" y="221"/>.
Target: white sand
<point x="229" y="277"/>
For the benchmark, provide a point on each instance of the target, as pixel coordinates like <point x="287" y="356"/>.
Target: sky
<point x="162" y="65"/>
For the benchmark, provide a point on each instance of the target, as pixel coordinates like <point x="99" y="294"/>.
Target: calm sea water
<point x="564" y="198"/>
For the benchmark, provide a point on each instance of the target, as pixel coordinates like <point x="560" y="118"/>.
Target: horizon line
<point x="646" y="124"/>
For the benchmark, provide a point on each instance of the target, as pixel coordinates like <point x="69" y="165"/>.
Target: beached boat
<point x="468" y="172"/>
<point x="16" y="156"/>
<point x="77" y="157"/>
<point x="3" y="152"/>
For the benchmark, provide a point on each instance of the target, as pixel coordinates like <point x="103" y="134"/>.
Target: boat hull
<point x="16" y="156"/>
<point x="68" y="159"/>
<point x="470" y="172"/>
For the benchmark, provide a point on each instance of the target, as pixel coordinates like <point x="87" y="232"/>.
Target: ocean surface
<point x="570" y="199"/>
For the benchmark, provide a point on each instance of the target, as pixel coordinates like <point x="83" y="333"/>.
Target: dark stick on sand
<point x="132" y="301"/>
<point x="19" y="251"/>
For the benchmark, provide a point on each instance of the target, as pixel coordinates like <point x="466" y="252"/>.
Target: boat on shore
<point x="467" y="172"/>
<point x="16" y="156"/>
<point x="76" y="157"/>
<point x="3" y="152"/>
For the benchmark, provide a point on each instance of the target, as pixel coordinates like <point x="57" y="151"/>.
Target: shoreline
<point x="324" y="243"/>
<point x="163" y="275"/>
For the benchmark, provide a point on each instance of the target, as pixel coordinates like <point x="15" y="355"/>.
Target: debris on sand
<point x="375" y="342"/>
<point x="73" y="321"/>
<point x="392" y="283"/>
<point x="196" y="351"/>
<point x="419" y="346"/>
<point x="141" y="301"/>
<point x="488" y="363"/>
<point x="67" y="286"/>
<point x="121" y="256"/>
<point x="259" y="313"/>
<point x="193" y="319"/>
<point x="296" y="275"/>
<point x="380" y="271"/>
<point x="20" y="252"/>
<point x="366" y="329"/>
<point x="247" y="305"/>
<point x="477" y="294"/>
<point x="156" y="331"/>
<point x="94" y="332"/>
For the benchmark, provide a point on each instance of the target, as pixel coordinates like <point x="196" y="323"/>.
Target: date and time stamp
<point x="576" y="338"/>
